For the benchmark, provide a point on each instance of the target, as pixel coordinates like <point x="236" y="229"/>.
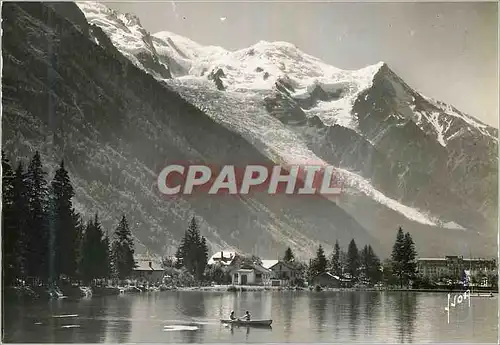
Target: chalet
<point x="148" y="269"/>
<point x="282" y="273"/>
<point x="326" y="279"/>
<point x="249" y="274"/>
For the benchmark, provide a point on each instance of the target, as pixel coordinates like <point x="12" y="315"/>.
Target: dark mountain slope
<point x="117" y="127"/>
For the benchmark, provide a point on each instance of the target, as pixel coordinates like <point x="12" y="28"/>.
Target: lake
<point x="298" y="316"/>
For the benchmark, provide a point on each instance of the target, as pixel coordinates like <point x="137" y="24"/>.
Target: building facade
<point x="148" y="269"/>
<point x="453" y="267"/>
<point x="282" y="273"/>
<point x="328" y="280"/>
<point x="250" y="274"/>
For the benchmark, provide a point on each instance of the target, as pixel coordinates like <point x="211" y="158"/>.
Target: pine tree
<point x="398" y="256"/>
<point x="194" y="241"/>
<point x="37" y="237"/>
<point x="353" y="260"/>
<point x="123" y="250"/>
<point x="193" y="251"/>
<point x="335" y="262"/>
<point x="374" y="271"/>
<point x="102" y="251"/>
<point x="343" y="262"/>
<point x="19" y="220"/>
<point x="80" y="237"/>
<point x="64" y="223"/>
<point x="106" y="257"/>
<point x="365" y="264"/>
<point x="319" y="264"/>
<point x="10" y="233"/>
<point x="179" y="254"/>
<point x="203" y="258"/>
<point x="370" y="265"/>
<point x="289" y="256"/>
<point x="410" y="258"/>
<point x="89" y="253"/>
<point x="94" y="263"/>
<point x="404" y="264"/>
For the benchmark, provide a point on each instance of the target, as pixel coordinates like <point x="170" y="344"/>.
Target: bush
<point x="422" y="282"/>
<point x="299" y="282"/>
<point x="217" y="274"/>
<point x="178" y="278"/>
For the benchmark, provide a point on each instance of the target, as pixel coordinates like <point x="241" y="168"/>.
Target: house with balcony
<point x="282" y="273"/>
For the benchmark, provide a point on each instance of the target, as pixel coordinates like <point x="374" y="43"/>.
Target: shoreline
<point x="78" y="292"/>
<point x="257" y="288"/>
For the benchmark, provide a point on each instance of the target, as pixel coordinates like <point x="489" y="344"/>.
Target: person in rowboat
<point x="246" y="317"/>
<point x="232" y="317"/>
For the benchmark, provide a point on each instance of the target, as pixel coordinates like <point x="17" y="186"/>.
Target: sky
<point x="447" y="51"/>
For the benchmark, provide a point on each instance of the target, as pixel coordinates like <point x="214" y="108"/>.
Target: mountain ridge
<point x="240" y="75"/>
<point x="285" y="122"/>
<point x="112" y="159"/>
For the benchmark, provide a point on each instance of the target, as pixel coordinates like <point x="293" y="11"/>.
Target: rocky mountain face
<point x="91" y="85"/>
<point x="116" y="127"/>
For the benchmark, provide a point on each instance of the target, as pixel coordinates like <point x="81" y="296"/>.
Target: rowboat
<point x="253" y="323"/>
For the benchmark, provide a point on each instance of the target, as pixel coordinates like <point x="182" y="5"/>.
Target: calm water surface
<point x="190" y="316"/>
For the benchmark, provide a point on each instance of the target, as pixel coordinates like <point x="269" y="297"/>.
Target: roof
<point x="251" y="267"/>
<point x="216" y="258"/>
<point x="261" y="268"/>
<point x="328" y="274"/>
<point x="269" y="263"/>
<point x="450" y="258"/>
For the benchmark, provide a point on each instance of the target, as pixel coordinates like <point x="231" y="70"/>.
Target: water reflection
<point x="191" y="304"/>
<point x="405" y="315"/>
<point x="305" y="317"/>
<point x="286" y="307"/>
<point x="371" y="303"/>
<point x="317" y="307"/>
<point x="56" y="321"/>
<point x="94" y="317"/>
<point x="120" y="312"/>
<point x="354" y="313"/>
<point x="338" y="310"/>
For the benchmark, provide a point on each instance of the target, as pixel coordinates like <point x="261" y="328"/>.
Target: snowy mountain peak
<point x="185" y="47"/>
<point x="403" y="159"/>
<point x="128" y="36"/>
<point x="130" y="19"/>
